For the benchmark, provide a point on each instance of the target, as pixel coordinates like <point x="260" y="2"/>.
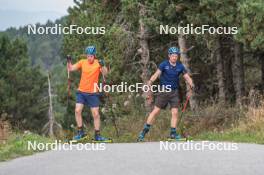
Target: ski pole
<point x="183" y="109"/>
<point x="108" y="96"/>
<point x="69" y="80"/>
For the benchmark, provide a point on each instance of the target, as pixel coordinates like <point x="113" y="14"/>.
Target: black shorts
<point x="165" y="98"/>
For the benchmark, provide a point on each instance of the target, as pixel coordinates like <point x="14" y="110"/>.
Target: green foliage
<point x="22" y="87"/>
<point x="17" y="145"/>
<point x="44" y="50"/>
<point x="251" y="32"/>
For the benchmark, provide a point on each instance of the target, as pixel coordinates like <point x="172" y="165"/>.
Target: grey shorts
<point x="165" y="98"/>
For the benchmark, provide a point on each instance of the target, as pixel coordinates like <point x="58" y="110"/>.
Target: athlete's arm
<point x="72" y="67"/>
<point x="154" y="76"/>
<point x="104" y="70"/>
<point x="189" y="80"/>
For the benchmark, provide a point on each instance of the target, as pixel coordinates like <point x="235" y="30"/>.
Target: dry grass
<point x="215" y="117"/>
<point x="249" y="128"/>
<point x="254" y="119"/>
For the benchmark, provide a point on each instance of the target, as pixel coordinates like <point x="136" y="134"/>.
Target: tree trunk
<point x="51" y="117"/>
<point x="144" y="53"/>
<point x="228" y="74"/>
<point x="51" y="125"/>
<point x="238" y="73"/>
<point x="186" y="61"/>
<point x="227" y="54"/>
<point x="220" y="71"/>
<point x="262" y="70"/>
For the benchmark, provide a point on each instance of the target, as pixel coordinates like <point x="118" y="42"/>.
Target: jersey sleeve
<point x="161" y="66"/>
<point x="78" y="64"/>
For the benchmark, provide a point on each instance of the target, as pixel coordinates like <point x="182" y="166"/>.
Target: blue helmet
<point x="90" y="50"/>
<point x="174" y="50"/>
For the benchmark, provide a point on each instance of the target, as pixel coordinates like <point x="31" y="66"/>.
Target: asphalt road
<point x="140" y="159"/>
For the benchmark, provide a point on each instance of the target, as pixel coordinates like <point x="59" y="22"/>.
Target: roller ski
<point x="176" y="138"/>
<point x="100" y="139"/>
<point x="179" y="138"/>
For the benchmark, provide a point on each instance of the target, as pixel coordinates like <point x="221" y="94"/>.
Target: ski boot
<point x="143" y="132"/>
<point x="80" y="136"/>
<point x="141" y="137"/>
<point x="101" y="139"/>
<point x="176" y="137"/>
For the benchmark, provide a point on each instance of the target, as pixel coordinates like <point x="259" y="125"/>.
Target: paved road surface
<point x="140" y="159"/>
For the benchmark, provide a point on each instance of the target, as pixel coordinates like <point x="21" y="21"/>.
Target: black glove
<point x="101" y="62"/>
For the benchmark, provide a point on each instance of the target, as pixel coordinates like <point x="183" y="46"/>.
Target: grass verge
<point x="16" y="145"/>
<point x="233" y="136"/>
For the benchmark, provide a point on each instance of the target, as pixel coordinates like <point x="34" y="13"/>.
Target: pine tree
<point x="22" y="86"/>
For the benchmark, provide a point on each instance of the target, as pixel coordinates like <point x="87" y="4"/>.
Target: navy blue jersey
<point x="170" y="74"/>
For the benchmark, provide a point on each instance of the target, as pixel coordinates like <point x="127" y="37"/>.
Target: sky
<point x="15" y="13"/>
